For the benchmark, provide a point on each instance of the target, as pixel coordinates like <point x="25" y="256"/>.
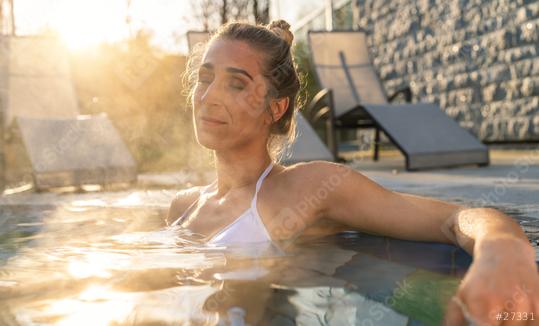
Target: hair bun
<point x="282" y="29"/>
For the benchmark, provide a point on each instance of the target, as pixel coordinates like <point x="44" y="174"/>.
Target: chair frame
<point x="322" y="105"/>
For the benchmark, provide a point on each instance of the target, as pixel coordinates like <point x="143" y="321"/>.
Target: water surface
<point x="110" y="265"/>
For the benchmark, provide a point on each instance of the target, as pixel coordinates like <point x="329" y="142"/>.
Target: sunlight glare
<point x="97" y="305"/>
<point x="82" y="24"/>
<point x="93" y="264"/>
<point x="130" y="200"/>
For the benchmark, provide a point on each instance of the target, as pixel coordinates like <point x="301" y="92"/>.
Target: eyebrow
<point x="229" y="69"/>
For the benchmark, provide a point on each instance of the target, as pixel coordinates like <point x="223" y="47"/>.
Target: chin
<point x="209" y="141"/>
<point x="208" y="145"/>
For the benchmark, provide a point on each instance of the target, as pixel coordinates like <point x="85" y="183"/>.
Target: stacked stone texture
<point x="478" y="59"/>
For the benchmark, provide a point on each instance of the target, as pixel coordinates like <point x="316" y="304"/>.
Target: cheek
<point x="249" y="103"/>
<point x="249" y="124"/>
<point x="246" y="109"/>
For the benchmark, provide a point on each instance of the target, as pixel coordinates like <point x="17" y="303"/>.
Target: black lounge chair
<point x="355" y="98"/>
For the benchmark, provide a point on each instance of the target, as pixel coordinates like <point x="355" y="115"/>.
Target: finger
<point x="453" y="314"/>
<point x="493" y="314"/>
<point x="521" y="313"/>
<point x="517" y="306"/>
<point x="531" y="316"/>
<point x="478" y="312"/>
<point x="534" y="313"/>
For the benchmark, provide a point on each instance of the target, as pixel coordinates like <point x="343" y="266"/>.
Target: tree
<point x="204" y="11"/>
<point x="261" y="11"/>
<point x="239" y="9"/>
<point x="128" y="19"/>
<point x="224" y="12"/>
<point x="212" y="13"/>
<point x="12" y="17"/>
<point x="4" y="27"/>
<point x="1" y="17"/>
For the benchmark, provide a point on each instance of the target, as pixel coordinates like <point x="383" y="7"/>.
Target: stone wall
<point x="478" y="59"/>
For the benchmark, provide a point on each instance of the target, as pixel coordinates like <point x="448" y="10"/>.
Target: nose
<point x="212" y="94"/>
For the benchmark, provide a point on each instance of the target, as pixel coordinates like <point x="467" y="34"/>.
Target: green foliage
<point x="309" y="85"/>
<point x="425" y="296"/>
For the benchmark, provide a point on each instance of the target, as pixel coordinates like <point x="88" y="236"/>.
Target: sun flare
<point x="82" y="24"/>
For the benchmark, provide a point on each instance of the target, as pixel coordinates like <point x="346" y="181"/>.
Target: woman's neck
<point x="237" y="171"/>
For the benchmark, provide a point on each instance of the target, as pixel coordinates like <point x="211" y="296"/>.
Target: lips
<point x="212" y="121"/>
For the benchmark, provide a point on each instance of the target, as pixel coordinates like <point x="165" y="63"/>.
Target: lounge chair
<point x="355" y="98"/>
<point x="76" y="151"/>
<point x="196" y="37"/>
<point x="63" y="147"/>
<point x="35" y="80"/>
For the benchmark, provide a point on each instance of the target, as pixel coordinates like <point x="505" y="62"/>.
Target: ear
<point x="278" y="108"/>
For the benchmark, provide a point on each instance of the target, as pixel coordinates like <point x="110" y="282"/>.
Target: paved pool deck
<point x="512" y="178"/>
<point x="510" y="183"/>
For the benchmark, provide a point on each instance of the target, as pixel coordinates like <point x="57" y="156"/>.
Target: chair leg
<point x="332" y="138"/>
<point x="376" y="144"/>
<point x="331" y="127"/>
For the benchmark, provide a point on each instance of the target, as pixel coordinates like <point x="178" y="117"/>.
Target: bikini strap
<point x="259" y="183"/>
<point x="205" y="189"/>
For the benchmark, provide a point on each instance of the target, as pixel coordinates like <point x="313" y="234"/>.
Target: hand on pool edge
<point x="502" y="278"/>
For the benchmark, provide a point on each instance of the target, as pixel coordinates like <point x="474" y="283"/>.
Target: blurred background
<point x="477" y="59"/>
<point x="126" y="59"/>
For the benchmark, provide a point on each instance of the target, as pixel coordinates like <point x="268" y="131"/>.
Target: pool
<point x="95" y="264"/>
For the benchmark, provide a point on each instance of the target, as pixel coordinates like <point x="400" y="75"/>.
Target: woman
<point x="244" y="98"/>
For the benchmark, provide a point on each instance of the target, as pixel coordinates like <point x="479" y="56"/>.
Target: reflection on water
<point x="85" y="265"/>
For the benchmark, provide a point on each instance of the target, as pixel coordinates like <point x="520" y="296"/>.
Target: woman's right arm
<point x="180" y="203"/>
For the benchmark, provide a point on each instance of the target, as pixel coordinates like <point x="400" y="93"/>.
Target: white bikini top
<point x="247" y="228"/>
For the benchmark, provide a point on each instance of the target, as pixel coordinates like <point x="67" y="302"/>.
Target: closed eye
<point x="237" y="83"/>
<point x="204" y="77"/>
<point x="204" y="80"/>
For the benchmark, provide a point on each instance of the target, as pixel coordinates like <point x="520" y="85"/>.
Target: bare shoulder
<point x="325" y="181"/>
<point x="316" y="171"/>
<point x="329" y="180"/>
<point x="181" y="202"/>
<point x="299" y="181"/>
<point x="296" y="196"/>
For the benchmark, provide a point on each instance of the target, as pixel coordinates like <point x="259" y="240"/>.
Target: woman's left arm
<point x="503" y="276"/>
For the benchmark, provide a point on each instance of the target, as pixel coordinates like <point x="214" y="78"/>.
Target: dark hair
<point x="274" y="42"/>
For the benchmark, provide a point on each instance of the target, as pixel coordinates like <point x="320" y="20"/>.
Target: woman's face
<point x="229" y="97"/>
